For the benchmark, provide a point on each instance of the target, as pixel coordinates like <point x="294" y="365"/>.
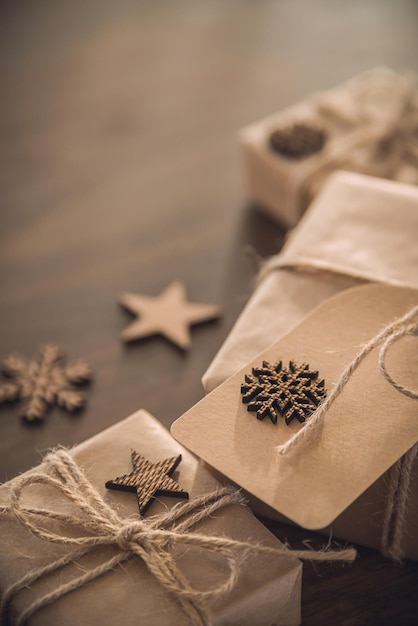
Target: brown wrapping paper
<point x="370" y="124"/>
<point x="268" y="590"/>
<point x="358" y="229"/>
<point x="338" y="483"/>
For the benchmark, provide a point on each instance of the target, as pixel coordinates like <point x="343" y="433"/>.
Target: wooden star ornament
<point x="168" y="314"/>
<point x="149" y="480"/>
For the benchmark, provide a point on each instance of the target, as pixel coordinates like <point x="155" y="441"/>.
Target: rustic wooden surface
<point x="119" y="172"/>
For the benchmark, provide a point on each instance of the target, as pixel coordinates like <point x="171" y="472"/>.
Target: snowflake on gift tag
<point x="298" y="141"/>
<point x="275" y="390"/>
<point x="40" y="384"/>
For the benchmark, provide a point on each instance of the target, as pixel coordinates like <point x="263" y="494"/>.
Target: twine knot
<point x="130" y="535"/>
<point x="98" y="524"/>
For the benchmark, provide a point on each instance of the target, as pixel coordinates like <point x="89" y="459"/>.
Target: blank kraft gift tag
<point x="368" y="427"/>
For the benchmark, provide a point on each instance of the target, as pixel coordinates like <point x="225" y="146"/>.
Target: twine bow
<point x="150" y="539"/>
<point x="379" y="130"/>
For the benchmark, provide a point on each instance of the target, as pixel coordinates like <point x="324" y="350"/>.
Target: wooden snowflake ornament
<point x="274" y="390"/>
<point x="168" y="314"/>
<point x="42" y="383"/>
<point x="148" y="480"/>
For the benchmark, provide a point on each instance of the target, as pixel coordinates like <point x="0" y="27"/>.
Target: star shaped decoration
<point x="168" y="314"/>
<point x="148" y="480"/>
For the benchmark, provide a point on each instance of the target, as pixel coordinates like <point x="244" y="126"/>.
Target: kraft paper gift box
<point x="358" y="229"/>
<point x="368" y="125"/>
<point x="128" y="593"/>
<point x="344" y="477"/>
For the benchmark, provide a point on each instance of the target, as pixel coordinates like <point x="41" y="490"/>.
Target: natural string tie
<point x="382" y="123"/>
<point x="400" y="477"/>
<point x="150" y="539"/>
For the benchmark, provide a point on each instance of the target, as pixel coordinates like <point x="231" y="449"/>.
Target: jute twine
<point x="400" y="477"/>
<point x="152" y="540"/>
<point x="378" y="120"/>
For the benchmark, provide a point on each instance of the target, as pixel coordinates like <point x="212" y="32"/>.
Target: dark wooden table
<point x="119" y="171"/>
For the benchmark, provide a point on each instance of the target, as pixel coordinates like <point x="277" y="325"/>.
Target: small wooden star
<point x="168" y="314"/>
<point x="148" y="480"/>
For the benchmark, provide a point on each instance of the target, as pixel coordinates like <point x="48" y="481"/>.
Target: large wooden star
<point x="168" y="314"/>
<point x="149" y="480"/>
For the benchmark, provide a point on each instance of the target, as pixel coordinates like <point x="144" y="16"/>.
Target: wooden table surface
<point x="119" y="171"/>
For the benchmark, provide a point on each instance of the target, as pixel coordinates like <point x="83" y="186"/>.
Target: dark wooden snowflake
<point x="276" y="391"/>
<point x="298" y="141"/>
<point x="43" y="382"/>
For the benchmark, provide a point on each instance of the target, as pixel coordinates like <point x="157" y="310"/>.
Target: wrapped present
<point x="321" y="428"/>
<point x="358" y="229"/>
<point x="367" y="125"/>
<point x="74" y="552"/>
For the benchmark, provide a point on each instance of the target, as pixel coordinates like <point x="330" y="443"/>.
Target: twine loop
<point x="95" y="524"/>
<point x="404" y="325"/>
<point x="407" y="329"/>
<point x="400" y="476"/>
